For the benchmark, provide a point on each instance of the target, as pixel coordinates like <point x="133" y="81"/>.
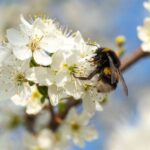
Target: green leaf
<point x="44" y="91"/>
<point x="33" y="63"/>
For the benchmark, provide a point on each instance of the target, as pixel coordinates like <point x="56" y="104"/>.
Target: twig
<point x="29" y="122"/>
<point x="71" y="102"/>
<point x="130" y="60"/>
<point x="60" y="116"/>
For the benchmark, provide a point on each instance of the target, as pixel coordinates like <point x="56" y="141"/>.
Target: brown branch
<point x="60" y="116"/>
<point x="30" y="122"/>
<point x="71" y="102"/>
<point x="130" y="60"/>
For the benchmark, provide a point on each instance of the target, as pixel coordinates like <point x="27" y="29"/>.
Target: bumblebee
<point x="107" y="65"/>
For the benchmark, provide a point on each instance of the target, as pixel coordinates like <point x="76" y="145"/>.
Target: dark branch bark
<point x="60" y="116"/>
<point x="130" y="60"/>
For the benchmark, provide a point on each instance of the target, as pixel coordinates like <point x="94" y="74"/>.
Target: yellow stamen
<point x="34" y="44"/>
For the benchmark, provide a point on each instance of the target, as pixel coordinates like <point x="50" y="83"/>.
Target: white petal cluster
<point x="144" y="31"/>
<point x="11" y="116"/>
<point x="52" y="140"/>
<point x="144" y="34"/>
<point x="38" y="62"/>
<point x="75" y="128"/>
<point x="12" y="127"/>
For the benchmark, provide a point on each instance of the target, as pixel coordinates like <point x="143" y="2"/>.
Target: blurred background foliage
<point x="101" y="21"/>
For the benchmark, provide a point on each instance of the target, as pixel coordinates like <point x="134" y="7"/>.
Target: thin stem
<point x="60" y="116"/>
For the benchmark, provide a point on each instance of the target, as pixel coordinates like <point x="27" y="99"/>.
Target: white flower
<point x="59" y="77"/>
<point x="64" y="65"/>
<point x="40" y="75"/>
<point x="92" y="99"/>
<point x="31" y="98"/>
<point x="13" y="75"/>
<point x="33" y="40"/>
<point x="147" y="5"/>
<point x="144" y="35"/>
<point x="75" y="128"/>
<point x="56" y="94"/>
<point x="52" y="140"/>
<point x="11" y="116"/>
<point x="60" y="55"/>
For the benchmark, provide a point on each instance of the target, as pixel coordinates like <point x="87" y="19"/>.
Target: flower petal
<point x="146" y="47"/>
<point x="25" y="22"/>
<point x="17" y="38"/>
<point x="88" y="104"/>
<point x="98" y="106"/>
<point x="22" y="97"/>
<point x="53" y="94"/>
<point x="22" y="53"/>
<point x="42" y="58"/>
<point x="73" y="89"/>
<point x="50" y="45"/>
<point x="33" y="108"/>
<point x="39" y="75"/>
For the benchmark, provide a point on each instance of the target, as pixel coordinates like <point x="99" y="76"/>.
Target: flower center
<point x="15" y="121"/>
<point x="75" y="126"/>
<point x="34" y="44"/>
<point x="20" y="78"/>
<point x="36" y="95"/>
<point x="71" y="69"/>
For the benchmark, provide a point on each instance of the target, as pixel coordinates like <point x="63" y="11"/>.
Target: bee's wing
<point x="123" y="82"/>
<point x="113" y="70"/>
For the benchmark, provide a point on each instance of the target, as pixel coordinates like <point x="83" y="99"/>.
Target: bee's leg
<point x="100" y="77"/>
<point x="90" y="76"/>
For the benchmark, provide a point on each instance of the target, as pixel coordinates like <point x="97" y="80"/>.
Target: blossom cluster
<point x="38" y="62"/>
<point x="75" y="128"/>
<point x="144" y="31"/>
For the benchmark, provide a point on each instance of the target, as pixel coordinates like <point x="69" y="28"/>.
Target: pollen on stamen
<point x="20" y="78"/>
<point x="34" y="44"/>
